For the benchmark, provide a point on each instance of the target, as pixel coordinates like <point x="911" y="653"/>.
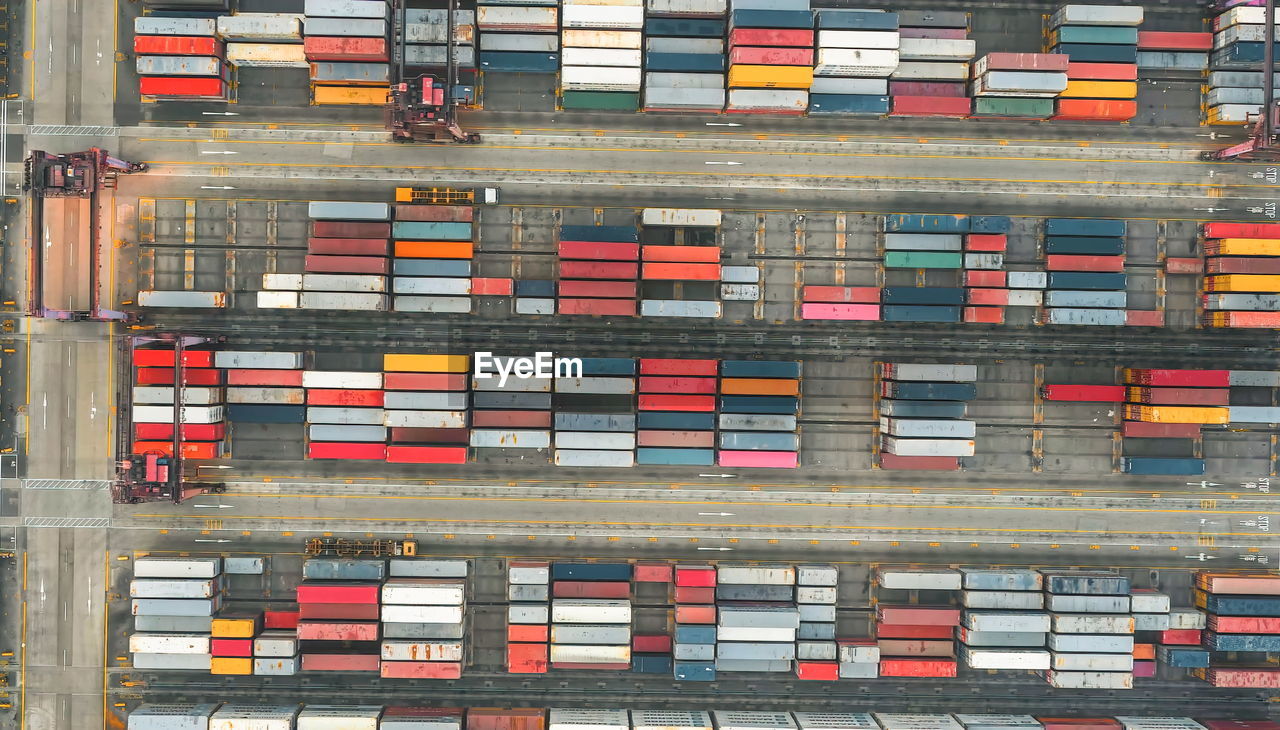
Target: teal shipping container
<point x="431" y="231"/>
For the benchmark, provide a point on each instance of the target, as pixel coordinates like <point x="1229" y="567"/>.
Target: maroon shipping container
<point x="842" y="294"/>
<point x="601" y="307"/>
<point x="758" y="56"/>
<point x="919" y="463"/>
<point x="931" y="106"/>
<point x="348" y="265"/>
<point x="1071" y="262"/>
<point x="654" y="571"/>
<point x="425" y="381"/>
<point x="770" y="37"/>
<point x="956" y="34"/>
<point x="510" y="419"/>
<point x="265" y="378"/>
<point x="338" y="631"/>
<point x="1142" y="430"/>
<point x="917" y="647"/>
<point x="926" y="88"/>
<point x="1083" y="393"/>
<point x="435" y="213"/>
<point x="590" y="589"/>
<point x="494" y="718"/>
<point x="348" y="246"/>
<point x="676" y="439"/>
<point x="1241" y="265"/>
<point x="345" y="48"/>
<point x="908" y="631"/>
<point x="340" y="662"/>
<point x="918" y="615"/>
<point x="339" y="611"/>
<point x="1160" y="40"/>
<point x="695" y="594"/>
<point x="1180" y="396"/>
<point x="1027" y="62"/>
<point x="407" y="435"/>
<point x="337" y="592"/>
<point x="599" y="251"/>
<point x="350" y="229"/>
<point x="651" y="644"/>
<point x="598" y="289"/>
<point x="598" y="270"/>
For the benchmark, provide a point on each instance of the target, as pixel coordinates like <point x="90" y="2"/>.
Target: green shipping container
<point x="1003" y="106"/>
<point x="921" y="260"/>
<point x="1111" y="35"/>
<point x="612" y="101"/>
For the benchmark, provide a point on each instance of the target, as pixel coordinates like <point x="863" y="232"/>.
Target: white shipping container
<point x="936" y="49"/>
<point x="339" y="717"/>
<point x="256" y="360"/>
<point x="584" y="719"/>
<point x="738" y="274"/>
<point x="687" y="7"/>
<point x="1158" y="723"/>
<point x="1088" y="604"/>
<point x="685" y="217"/>
<point x="743" y="720"/>
<point x="740" y="292"/>
<point x="157" y="567"/>
<point x="855" y="62"/>
<point x="994" y="722"/>
<point x="372" y="283"/>
<point x="667" y="80"/>
<point x="1092" y="662"/>
<point x="595" y="440"/>
<point x="255" y="717"/>
<point x="351" y="379"/>
<point x="896" y="721"/>
<point x="433" y="305"/>
<point x="584" y="634"/>
<point x="347" y="9"/>
<point x="600" y="78"/>
<point x="755" y="574"/>
<point x="159" y="25"/>
<point x="940" y="579"/>
<point x="277" y="299"/>
<point x="927" y="447"/>
<point x="345" y="416"/>
<point x="528" y="613"/>
<point x="1186" y="618"/>
<point x="347" y="301"/>
<point x="742" y="633"/>
<point x="425" y="419"/>
<point x="588" y="611"/>
<point x="1068" y="623"/>
<point x="182" y="299"/>
<point x="1239" y="33"/>
<point x="267" y="55"/>
<point x="282" y="282"/>
<point x="510" y="439"/>
<point x="670" y="720"/>
<point x="273" y="396"/>
<point x="1089" y="680"/>
<point x="1022" y="82"/>
<point x="590" y="653"/>
<point x="430" y="285"/>
<point x="426" y="591"/>
<point x="602" y="39"/>
<point x="1092" y="643"/>
<point x="1005" y="658"/>
<point x="1025" y="297"/>
<point x="422" y="651"/>
<point x="168" y="588"/>
<point x="143" y="394"/>
<point x="277" y="666"/>
<point x="815" y="574"/>
<point x="190" y="414"/>
<point x="261" y="27"/>
<point x="855" y="653"/>
<point x="1097" y="15"/>
<point x="1008" y="600"/>
<point x="428" y="568"/>
<point x="930" y="373"/>
<point x="196" y="662"/>
<point x="930" y="71"/>
<point x="702" y="308"/>
<point x="275" y="644"/>
<point x="1150" y="622"/>
<point x="600" y="57"/>
<point x="169" y="643"/>
<point x="498" y="17"/>
<point x="814" y="594"/>
<point x="928" y="428"/>
<point x="835" y="721"/>
<point x="528" y="573"/>
<point x="1007" y="621"/>
<point x="602" y="16"/>
<point x="422" y="614"/>
<point x="602" y="385"/>
<point x="867" y="39"/>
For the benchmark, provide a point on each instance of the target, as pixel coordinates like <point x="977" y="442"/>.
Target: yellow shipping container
<point x="1177" y="414"/>
<point x="1245" y="283"/>
<point x="426" y="363"/>
<point x="267" y="55"/>
<point x="770" y="77"/>
<point x="354" y="95"/>
<point x="1100" y="90"/>
<point x="1247" y="247"/>
<point x="231" y="665"/>
<point x="234" y="628"/>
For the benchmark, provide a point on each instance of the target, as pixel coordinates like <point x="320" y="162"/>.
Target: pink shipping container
<point x="491" y="287"/>
<point x="662" y="366"/>
<point x="231" y="647"/>
<point x="590" y="589"/>
<point x="771" y="56"/>
<point x="1144" y="318"/>
<point x="1144" y="669"/>
<point x="695" y="594"/>
<point x="595" y="251"/>
<point x="695" y="614"/>
<point x="340" y="662"/>
<point x="918" y="615"/>
<point x="1183" y="266"/>
<point x="1065" y="262"/>
<point x="1244" y="624"/>
<point x="1027" y="62"/>
<point x="676" y="402"/>
<point x="926" y="88"/>
<point x="855" y="312"/>
<point x="435" y="213"/>
<point x="337" y="592"/>
<point x="677" y="439"/>
<point x="664" y="384"/>
<point x="1219" y="229"/>
<point x="759" y="459"/>
<point x="1258" y="584"/>
<point x="917" y="668"/>
<point x="337" y="631"/>
<point x="345" y="48"/>
<point x="1084" y="393"/>
<point x="350" y="229"/>
<point x="348" y="246"/>
<point x="344" y="397"/>
<point x="986" y="242"/>
<point x="1143" y="430"/>
<point x="511" y="419"/>
<point x="696" y="576"/>
<point x="931" y="106"/>
<point x="1158" y="40"/>
<point x="919" y="463"/>
<point x="988" y="279"/>
<point x="281" y="378"/>
<point x="770" y="37"/>
<point x="348" y="265"/>
<point x="1260" y="677"/>
<point x="948" y="33"/>
<point x="425" y="381"/>
<point x="421" y="670"/>
<point x="1103" y="71"/>
<point x="988" y="297"/>
<point x="652" y="572"/>
<point x="1181" y="637"/>
<point x="601" y="307"/>
<point x="842" y="294"/>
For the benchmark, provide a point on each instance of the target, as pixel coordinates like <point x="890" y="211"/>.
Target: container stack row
<point x="1163" y="51"/>
<point x="338" y="604"/>
<point x="1235" y="79"/>
<point x="921" y="410"/>
<point x="759" y="406"/>
<point x="426" y="39"/>
<point x="595" y="420"/>
<point x="180" y="58"/>
<point x="1244" y="619"/>
<point x="1018" y="85"/>
<point x="173" y="604"/>
<point x="652" y="653"/>
<point x="591" y="616"/>
<point x="424" y="608"/>
<point x="1102" y="43"/>
<point x="1091" y="627"/>
<point x="770" y="56"/>
<point x="915" y="639"/>
<point x="680" y="270"/>
<point x="990" y="289"/>
<point x="1085" y="259"/>
<point x="599" y="267"/>
<point x="1004" y="626"/>
<point x="693" y="650"/>
<point x="528" y="616"/>
<point x="264" y="387"/>
<point x="935" y="53"/>
<point x="355" y="279"/>
<point x="519" y="37"/>
<point x="346" y="45"/>
<point x="684" y="56"/>
<point x="1242" y="267"/>
<point x="857" y="52"/>
<point x="1177" y="402"/>
<point x="201" y="409"/>
<point x="601" y="55"/>
<point x="427" y="408"/>
<point x="346" y="414"/>
<point x="433" y="248"/>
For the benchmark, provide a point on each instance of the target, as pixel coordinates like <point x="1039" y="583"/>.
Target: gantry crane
<point x="423" y="108"/>
<point x="1261" y="145"/>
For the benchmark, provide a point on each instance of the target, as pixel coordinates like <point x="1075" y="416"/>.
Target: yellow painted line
<point x="106" y="621"/>
<point x="26" y="438"/>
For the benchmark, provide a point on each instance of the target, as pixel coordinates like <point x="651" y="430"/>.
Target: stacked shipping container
<point x="1092" y="630"/>
<point x="1085" y="259"/>
<point x="676" y="421"/>
<point x="420" y="596"/>
<point x="346" y="45"/>
<point x="194" y="406"/>
<point x="935" y="53"/>
<point x="759" y="401"/>
<point x="1166" y="51"/>
<point x="519" y="37"/>
<point x="1244" y="619"/>
<point x="684" y="55"/>
<point x="528" y="616"/>
<point x="758" y="620"/>
<point x="338" y="628"/>
<point x="591" y="616"/>
<point x="426" y="405"/>
<point x="1004" y="623"/>
<point x="595" y="420"/>
<point x="599" y="266"/>
<point x="1242" y="283"/>
<point x="770" y="56"/>
<point x="694" y="596"/>
<point x="600" y="54"/>
<point x="1018" y="85"/>
<point x="1235" y="86"/>
<point x="180" y="59"/>
<point x="680" y="267"/>
<point x="433" y="249"/>
<point x="920" y="408"/>
<point x="173" y="603"/>
<point x="427" y="40"/>
<point x="1102" y="42"/>
<point x="857" y="51"/>
<point x="914" y="640"/>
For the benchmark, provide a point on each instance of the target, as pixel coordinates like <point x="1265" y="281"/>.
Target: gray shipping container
<point x="923" y="242"/>
<point x="244" y="566"/>
<point x="678" y="308"/>
<point x="158" y="25"/>
<point x="754" y="593"/>
<point x="817" y="575"/>
<point x="166" y="607"/>
<point x="155" y="716"/>
<point x="343" y="569"/>
<point x="517" y="592"/>
<point x="684" y="45"/>
<point x="345" y="416"/>
<point x="686" y="81"/>
<point x="420" y="55"/>
<point x="348" y="8"/>
<point x="1088" y="604"/>
<point x="370" y="73"/>
<point x="173" y="624"/>
<point x="816" y="631"/>
<point x="756" y="422"/>
<point x="1086" y="299"/>
<point x="928" y="428"/>
<point x="358" y="27"/>
<point x="816" y="613"/>
<point x="694" y="652"/>
<point x="1002" y="638"/>
<point x="1001" y="579"/>
<point x="255" y="360"/>
<point x="1249" y="302"/>
<point x="1013" y="600"/>
<point x="1254" y="414"/>
<point x="587" y="634"/>
<point x="1246" y="79"/>
<point x="664" y="97"/>
<point x="510" y="439"/>
<point x="422" y="631"/>
<point x="759" y="617"/>
<point x="1092" y="643"/>
<point x="595" y="422"/>
<point x="431" y="267"/>
<point x="433" y="305"/>
<point x="196" y="662"/>
<point x="857" y="86"/>
<point x="422" y="401"/>
<point x="428" y="568"/>
<point x="1103" y="317"/>
<point x="755" y="651"/>
<point x="342" y="210"/>
<point x="464" y="35"/>
<point x="512" y="401"/>
<point x="759" y="441"/>
<point x="362" y="434"/>
<point x="594" y="457"/>
<point x="822" y="651"/>
<point x="178" y="65"/>
<point x="521" y="42"/>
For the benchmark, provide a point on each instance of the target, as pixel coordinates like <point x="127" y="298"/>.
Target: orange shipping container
<point x="1096" y="110"/>
<point x="528" y="632"/>
<point x="1144" y="651"/>
<point x="691" y="254"/>
<point x="434" y="249"/>
<point x="497" y="718"/>
<point x="759" y="386"/>
<point x="1100" y="90"/>
<point x="231" y="665"/>
<point x="681" y="272"/>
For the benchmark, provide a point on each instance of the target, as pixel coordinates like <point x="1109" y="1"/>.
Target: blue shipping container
<point x="1086" y="584"/>
<point x="665" y="421"/>
<point x="996" y="579"/>
<point x="1182" y="658"/>
<point x="1082" y="246"/>
<point x="684" y="62"/>
<point x="758" y="404"/>
<point x="684" y="27"/>
<point x="591" y="571"/>
<point x="759" y="369"/>
<point x="608" y="366"/>
<point x="246" y="413"/>
<point x="675" y="457"/>
<point x="431" y="231"/>
<point x="535" y="288"/>
<point x="695" y="671"/>
<point x="343" y="569"/>
<point x="695" y="634"/>
<point x="923" y="409"/>
<point x="519" y="61"/>
<point x="990" y="224"/>
<point x="759" y="441"/>
<point x="432" y="267"/>
<point x="934" y="391"/>
<point x="771" y="19"/>
<point x="606" y="234"/>
<point x="1098" y="52"/>
<point x="1242" y="605"/>
<point x="861" y="104"/>
<point x="1242" y="642"/>
<point x="908" y="313"/>
<point x="922" y="223"/>
<point x="1086" y="280"/>
<point x="1154" y="466"/>
<point x="856" y="20"/>
<point x="816" y="632"/>
<point x="612" y="422"/>
<point x="938" y="295"/>
<point x="650" y="663"/>
<point x="1084" y="226"/>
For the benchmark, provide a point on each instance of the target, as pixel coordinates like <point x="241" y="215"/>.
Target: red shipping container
<point x="1079" y="723"/>
<point x="931" y="106"/>
<point x="599" y="251"/>
<point x="422" y="670"/>
<point x="1004" y="61"/>
<point x="340" y="662"/>
<point x="491" y="287"/>
<point x="1180" y="396"/>
<point x="599" y="307"/>
<point x="345" y="48"/>
<point x="590" y="589"/>
<point x="1178" y="378"/>
<point x="681" y="272"/>
<point x="523" y="659"/>
<point x="176" y="45"/>
<point x="427" y="454"/>
<point x="917" y="668"/>
<point x="511" y="419"/>
<point x="1237" y="265"/>
<point x="686" y="254"/>
<point x="652" y="572"/>
<point x="918" y="615"/>
<point x="1144" y="318"/>
<point x="988" y="297"/>
<point x="917" y="647"/>
<point x="279" y="619"/>
<point x="661" y="366"/>
<point x="337" y="592"/>
<point x="185" y="87"/>
<point x="658" y="384"/>
<point x="164" y="358"/>
<point x="190" y="431"/>
<point x="528" y="632"/>
<point x="1163" y="40"/>
<point x="1084" y="393"/>
<point x="770" y="37"/>
<point x="1244" y="624"/>
<point x="958" y="34"/>
<point x="1067" y="262"/>
<point x="598" y="289"/>
<point x="668" y="402"/>
<point x="343" y="397"/>
<point x="347" y="265"/>
<point x="700" y="576"/>
<point x="984" y="315"/>
<point x="1143" y="430"/>
<point x="597" y="270"/>
<point x="842" y="294"/>
<point x="1096" y="110"/>
<point x="756" y="55"/>
<point x="341" y="450"/>
<point x="695" y="594"/>
<point x="1251" y="678"/>
<point x="1103" y="71"/>
<point x="1219" y="229"/>
<point x="926" y="88"/>
<point x="919" y="463"/>
<point x="348" y="246"/>
<point x="201" y="449"/>
<point x="425" y="381"/>
<point x="409" y="435"/>
<point x="493" y="718"/>
<point x="231" y="647"/>
<point x="677" y="439"/>
<point x="338" y="631"/>
<point x="338" y="611"/>
<point x="202" y="376"/>
<point x="651" y="644"/>
<point x="986" y="242"/>
<point x="818" y="671"/>
<point x="688" y="613"/>
<point x="266" y="378"/>
<point x="350" y="229"/>
<point x="164" y="376"/>
<point x="1180" y="637"/>
<point x="1183" y="266"/>
<point x="909" y="631"/>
